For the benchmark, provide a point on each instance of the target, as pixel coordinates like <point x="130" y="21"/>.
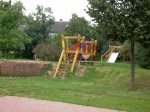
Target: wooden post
<point x="63" y="47"/>
<point x="92" y="44"/>
<point x="67" y="43"/>
<point x="67" y="48"/>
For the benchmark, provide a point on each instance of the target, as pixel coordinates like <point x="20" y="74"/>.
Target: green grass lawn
<point x="103" y="85"/>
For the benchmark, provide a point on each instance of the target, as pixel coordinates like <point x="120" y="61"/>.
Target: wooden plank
<point x="70" y="51"/>
<point x="70" y="37"/>
<point x="88" y="42"/>
<point x="74" y="51"/>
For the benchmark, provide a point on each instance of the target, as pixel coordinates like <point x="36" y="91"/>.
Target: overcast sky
<point x="62" y="9"/>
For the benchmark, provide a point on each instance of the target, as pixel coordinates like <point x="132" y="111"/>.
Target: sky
<point x="62" y="9"/>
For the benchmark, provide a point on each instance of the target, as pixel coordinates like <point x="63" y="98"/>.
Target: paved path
<point x="22" y="104"/>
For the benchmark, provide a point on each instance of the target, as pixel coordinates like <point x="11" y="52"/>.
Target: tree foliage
<point x="39" y="24"/>
<point x="12" y="22"/>
<point x="78" y="25"/>
<point x="122" y="19"/>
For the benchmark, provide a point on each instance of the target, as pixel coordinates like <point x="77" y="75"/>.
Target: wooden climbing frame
<point x="82" y="47"/>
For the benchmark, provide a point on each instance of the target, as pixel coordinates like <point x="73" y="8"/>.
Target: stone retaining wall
<point x="22" y="68"/>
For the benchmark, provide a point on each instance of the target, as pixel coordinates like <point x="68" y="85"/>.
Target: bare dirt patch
<point x="80" y="71"/>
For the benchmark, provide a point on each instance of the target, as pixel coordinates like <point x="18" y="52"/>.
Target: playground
<point x="75" y="56"/>
<point x="76" y="52"/>
<point x="76" y="78"/>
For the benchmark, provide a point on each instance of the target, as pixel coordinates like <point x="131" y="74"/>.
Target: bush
<point x="47" y="52"/>
<point x="142" y="56"/>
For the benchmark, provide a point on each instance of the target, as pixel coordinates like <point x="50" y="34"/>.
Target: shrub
<point x="50" y="50"/>
<point x="142" y="56"/>
<point x="47" y="52"/>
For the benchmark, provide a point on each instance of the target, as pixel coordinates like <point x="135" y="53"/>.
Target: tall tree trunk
<point x="132" y="72"/>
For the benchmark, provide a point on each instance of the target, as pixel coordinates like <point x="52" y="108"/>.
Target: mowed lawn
<point x="103" y="85"/>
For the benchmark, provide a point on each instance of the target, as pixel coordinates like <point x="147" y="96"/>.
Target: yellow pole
<point x="60" y="59"/>
<point x="67" y="48"/>
<point x="67" y="44"/>
<point x="63" y="47"/>
<point x="74" y="60"/>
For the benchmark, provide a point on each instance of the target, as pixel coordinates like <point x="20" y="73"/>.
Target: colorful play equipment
<point x="79" y="52"/>
<point x="113" y="52"/>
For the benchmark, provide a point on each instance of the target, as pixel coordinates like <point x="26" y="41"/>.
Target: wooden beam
<point x="58" y="65"/>
<point x="74" y="60"/>
<point x="73" y="37"/>
<point x="70" y="51"/>
<point x="70" y="37"/>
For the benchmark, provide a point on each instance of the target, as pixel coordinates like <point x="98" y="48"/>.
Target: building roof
<point x="59" y="26"/>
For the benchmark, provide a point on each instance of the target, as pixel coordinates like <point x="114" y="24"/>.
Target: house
<point x="59" y="26"/>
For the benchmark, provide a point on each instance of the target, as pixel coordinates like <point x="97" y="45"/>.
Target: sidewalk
<point x="22" y="104"/>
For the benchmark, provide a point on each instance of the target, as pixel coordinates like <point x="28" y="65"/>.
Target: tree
<point x="11" y="25"/>
<point x="38" y="27"/>
<point x="40" y="24"/>
<point x="78" y="25"/>
<point x="123" y="20"/>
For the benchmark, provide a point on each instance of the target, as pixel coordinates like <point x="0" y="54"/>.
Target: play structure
<point x="112" y="53"/>
<point x="81" y="52"/>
